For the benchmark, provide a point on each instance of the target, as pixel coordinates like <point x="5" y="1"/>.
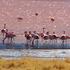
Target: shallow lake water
<point x="38" y="53"/>
<point x="44" y="49"/>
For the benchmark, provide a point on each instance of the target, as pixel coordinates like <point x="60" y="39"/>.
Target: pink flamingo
<point x="42" y="34"/>
<point x="64" y="37"/>
<point x="28" y="37"/>
<point x="35" y="37"/>
<point x="4" y="30"/>
<point x="44" y="38"/>
<point x="53" y="37"/>
<point x="8" y="35"/>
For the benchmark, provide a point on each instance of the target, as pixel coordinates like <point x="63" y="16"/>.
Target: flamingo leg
<point x="28" y="45"/>
<point x="63" y="41"/>
<point x="11" y="41"/>
<point x="32" y="43"/>
<point x="4" y="40"/>
<point x="37" y="44"/>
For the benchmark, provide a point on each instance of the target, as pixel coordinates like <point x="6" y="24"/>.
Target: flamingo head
<point x="29" y="32"/>
<point x="34" y="31"/>
<point x="25" y="32"/>
<point x="4" y="30"/>
<point x="47" y="33"/>
<point x="53" y="32"/>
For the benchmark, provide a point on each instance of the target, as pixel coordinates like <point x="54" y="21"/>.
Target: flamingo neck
<point x="55" y="34"/>
<point x="63" y="34"/>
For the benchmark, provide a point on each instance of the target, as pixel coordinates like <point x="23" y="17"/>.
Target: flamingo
<point x="8" y="35"/>
<point x="64" y="38"/>
<point x="28" y="37"/>
<point x="45" y="37"/>
<point x="4" y="30"/>
<point x="42" y="34"/>
<point x="35" y="37"/>
<point x="53" y="37"/>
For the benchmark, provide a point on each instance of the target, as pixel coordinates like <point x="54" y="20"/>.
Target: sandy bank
<point x="28" y="63"/>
